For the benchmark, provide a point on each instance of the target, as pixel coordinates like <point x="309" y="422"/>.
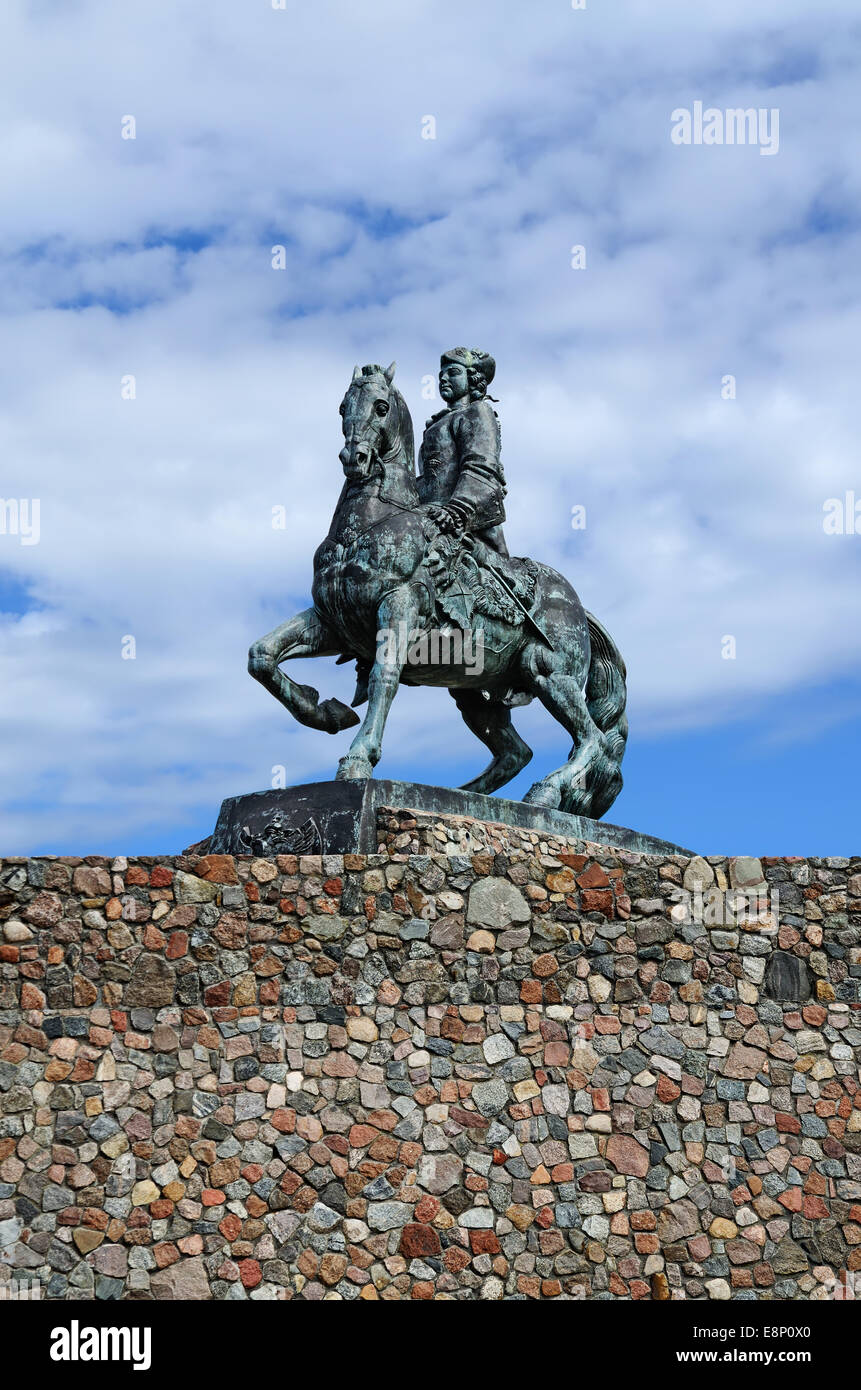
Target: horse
<point x="378" y="572"/>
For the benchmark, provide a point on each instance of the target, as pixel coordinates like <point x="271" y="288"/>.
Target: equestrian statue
<point x="414" y="582"/>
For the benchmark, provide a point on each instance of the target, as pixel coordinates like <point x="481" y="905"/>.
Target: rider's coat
<point x="459" y="461"/>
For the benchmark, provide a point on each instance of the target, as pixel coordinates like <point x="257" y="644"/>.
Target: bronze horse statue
<point x="385" y="568"/>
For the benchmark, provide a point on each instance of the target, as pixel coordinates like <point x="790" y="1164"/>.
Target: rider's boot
<point x="363" y="673"/>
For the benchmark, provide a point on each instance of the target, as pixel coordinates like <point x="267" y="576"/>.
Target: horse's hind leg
<point x="304" y="635"/>
<point x="569" y="787"/>
<point x="490" y="721"/>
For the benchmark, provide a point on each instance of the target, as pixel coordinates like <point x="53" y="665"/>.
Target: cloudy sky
<point x="303" y="127"/>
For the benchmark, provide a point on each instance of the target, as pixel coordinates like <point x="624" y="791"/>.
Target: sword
<point x="503" y="583"/>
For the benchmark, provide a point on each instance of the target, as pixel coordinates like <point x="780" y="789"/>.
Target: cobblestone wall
<point x="538" y="1070"/>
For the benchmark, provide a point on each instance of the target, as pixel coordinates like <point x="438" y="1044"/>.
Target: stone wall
<point x="536" y="1070"/>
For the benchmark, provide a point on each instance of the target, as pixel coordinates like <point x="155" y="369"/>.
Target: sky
<point x="693" y="385"/>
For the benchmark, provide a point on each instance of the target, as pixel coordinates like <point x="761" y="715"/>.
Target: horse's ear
<point x="357" y="372"/>
<point x="390" y="372"/>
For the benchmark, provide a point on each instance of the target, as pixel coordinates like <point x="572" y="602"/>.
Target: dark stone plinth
<point x="341" y="818"/>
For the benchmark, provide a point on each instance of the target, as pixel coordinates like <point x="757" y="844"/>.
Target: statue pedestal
<point x="348" y="818"/>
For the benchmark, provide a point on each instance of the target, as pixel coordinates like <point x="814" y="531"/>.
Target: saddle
<point x="470" y="580"/>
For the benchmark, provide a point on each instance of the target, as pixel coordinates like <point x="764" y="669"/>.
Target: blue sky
<point x="151" y="257"/>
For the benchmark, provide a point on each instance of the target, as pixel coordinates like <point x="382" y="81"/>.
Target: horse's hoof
<point x="542" y="795"/>
<point x="336" y="716"/>
<point x="353" y="768"/>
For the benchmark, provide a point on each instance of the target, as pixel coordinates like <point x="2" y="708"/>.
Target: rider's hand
<point x="448" y="519"/>
<point x="440" y="516"/>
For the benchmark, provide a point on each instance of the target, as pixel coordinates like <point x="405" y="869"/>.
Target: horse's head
<point x="378" y="431"/>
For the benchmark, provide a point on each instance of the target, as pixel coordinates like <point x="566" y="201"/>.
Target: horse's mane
<point x="405" y="428"/>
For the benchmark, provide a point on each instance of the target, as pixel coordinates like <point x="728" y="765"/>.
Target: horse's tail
<point x="606" y="696"/>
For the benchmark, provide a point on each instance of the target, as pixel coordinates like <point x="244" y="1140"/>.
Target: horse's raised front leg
<point x="304" y="635"/>
<point x="398" y="613"/>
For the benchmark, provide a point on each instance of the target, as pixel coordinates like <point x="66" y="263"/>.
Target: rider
<point x="460" y="472"/>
